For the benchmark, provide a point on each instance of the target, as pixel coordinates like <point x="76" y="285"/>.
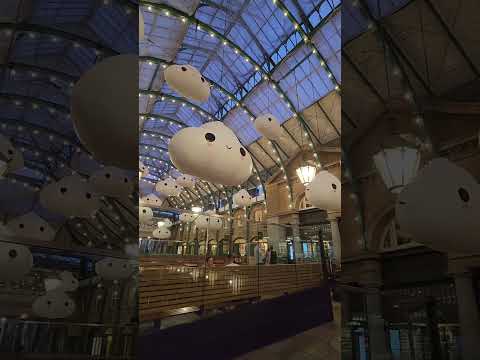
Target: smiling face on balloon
<point x="188" y="82"/>
<point x="186" y="181"/>
<point x="242" y="198"/>
<point x="441" y="211"/>
<point x="161" y="233"/>
<point x="111" y="181"/>
<point x="211" y="152"/>
<point x="151" y="200"/>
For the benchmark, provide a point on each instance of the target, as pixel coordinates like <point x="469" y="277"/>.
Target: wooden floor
<point x="319" y="343"/>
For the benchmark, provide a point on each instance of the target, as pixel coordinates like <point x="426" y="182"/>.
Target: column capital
<point x="333" y="215"/>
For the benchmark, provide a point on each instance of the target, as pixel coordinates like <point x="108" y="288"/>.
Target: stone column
<point x="468" y="315"/>
<point x="337" y="245"/>
<point x="376" y="328"/>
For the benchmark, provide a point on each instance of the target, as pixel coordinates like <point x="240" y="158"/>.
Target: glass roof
<point x="254" y="54"/>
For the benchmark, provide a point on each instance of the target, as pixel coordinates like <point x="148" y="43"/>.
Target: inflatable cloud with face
<point x="70" y="197"/>
<point x="104" y="108"/>
<point x="188" y="82"/>
<point x="325" y="191"/>
<point x="111" y="181"/>
<point x="113" y="269"/>
<point x="161" y="233"/>
<point x="151" y="200"/>
<point x="242" y="198"/>
<point x="186" y="181"/>
<point x="212" y="223"/>
<point x="16" y="261"/>
<point x="54" y="305"/>
<point x="187" y="217"/>
<point x="10" y="158"/>
<point x="145" y="214"/>
<point x="32" y="226"/>
<point x="168" y="187"/>
<point x="211" y="152"/>
<point x="66" y="283"/>
<point x="268" y="126"/>
<point x="440" y="208"/>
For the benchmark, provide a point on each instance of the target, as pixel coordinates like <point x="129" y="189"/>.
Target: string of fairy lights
<point x="266" y="76"/>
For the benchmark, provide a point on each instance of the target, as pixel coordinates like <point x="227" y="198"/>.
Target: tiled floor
<point x="320" y="343"/>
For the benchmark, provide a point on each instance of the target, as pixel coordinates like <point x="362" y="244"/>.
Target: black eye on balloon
<point x="209" y="137"/>
<point x="243" y="152"/>
<point x="144" y="211"/>
<point x="12" y="253"/>
<point x="334" y="186"/>
<point x="110" y="264"/>
<point x="269" y="119"/>
<point x="107" y="175"/>
<point x="165" y="184"/>
<point x="125" y="180"/>
<point x="42" y="228"/>
<point x="10" y="152"/>
<point x="184" y="68"/>
<point x="21" y="226"/>
<point x="203" y="80"/>
<point x="464" y="195"/>
<point x="63" y="190"/>
<point x="67" y="303"/>
<point x="49" y="303"/>
<point x="88" y="195"/>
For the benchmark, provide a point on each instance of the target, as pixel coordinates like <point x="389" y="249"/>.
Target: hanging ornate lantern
<point x="306" y="173"/>
<point x="397" y="166"/>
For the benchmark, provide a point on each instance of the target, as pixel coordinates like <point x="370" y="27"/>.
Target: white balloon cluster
<point x="145" y="214"/>
<point x="440" y="208"/>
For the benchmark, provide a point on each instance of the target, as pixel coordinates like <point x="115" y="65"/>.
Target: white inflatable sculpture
<point x="151" y="200"/>
<point x="187" y="217"/>
<point x="66" y="282"/>
<point x="269" y="126"/>
<point x="55" y="304"/>
<point x="186" y="181"/>
<point x="111" y="181"/>
<point x="440" y="208"/>
<point x="145" y="214"/>
<point x="188" y="82"/>
<point x="168" y="187"/>
<point x="211" y="152"/>
<point x="104" y="109"/>
<point x="71" y="196"/>
<point x="161" y="233"/>
<point x="16" y="261"/>
<point x="32" y="226"/>
<point x="114" y="269"/>
<point x="10" y="158"/>
<point x="325" y="191"/>
<point x="212" y="223"/>
<point x="242" y="198"/>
